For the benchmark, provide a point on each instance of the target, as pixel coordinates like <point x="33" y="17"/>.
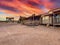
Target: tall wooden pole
<point x="33" y="18"/>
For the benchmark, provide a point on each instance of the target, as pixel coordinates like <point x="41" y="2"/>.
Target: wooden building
<point x="10" y="19"/>
<point x="51" y="18"/>
<point x="32" y="20"/>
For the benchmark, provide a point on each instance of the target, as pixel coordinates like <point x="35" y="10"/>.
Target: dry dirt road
<point x="24" y="35"/>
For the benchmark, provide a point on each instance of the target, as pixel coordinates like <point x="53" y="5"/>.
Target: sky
<point x="26" y="8"/>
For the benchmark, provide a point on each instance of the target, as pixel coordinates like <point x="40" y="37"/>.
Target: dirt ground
<point x="17" y="34"/>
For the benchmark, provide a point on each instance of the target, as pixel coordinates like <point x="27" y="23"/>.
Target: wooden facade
<point x="10" y="19"/>
<point x="51" y="18"/>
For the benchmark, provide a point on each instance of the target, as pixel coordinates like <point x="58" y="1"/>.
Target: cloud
<point x="7" y="0"/>
<point x="28" y="7"/>
<point x="8" y="8"/>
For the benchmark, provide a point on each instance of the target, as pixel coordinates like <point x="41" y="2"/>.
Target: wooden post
<point x="19" y="21"/>
<point x="33" y="18"/>
<point x="53" y="20"/>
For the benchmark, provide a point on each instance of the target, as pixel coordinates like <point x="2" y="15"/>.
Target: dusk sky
<point x="26" y="8"/>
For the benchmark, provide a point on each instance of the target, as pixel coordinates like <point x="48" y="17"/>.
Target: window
<point x="58" y="18"/>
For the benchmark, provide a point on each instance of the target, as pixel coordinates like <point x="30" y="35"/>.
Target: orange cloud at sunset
<point x="25" y="7"/>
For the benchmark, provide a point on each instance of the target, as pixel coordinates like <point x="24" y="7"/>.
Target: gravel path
<point x="25" y="35"/>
